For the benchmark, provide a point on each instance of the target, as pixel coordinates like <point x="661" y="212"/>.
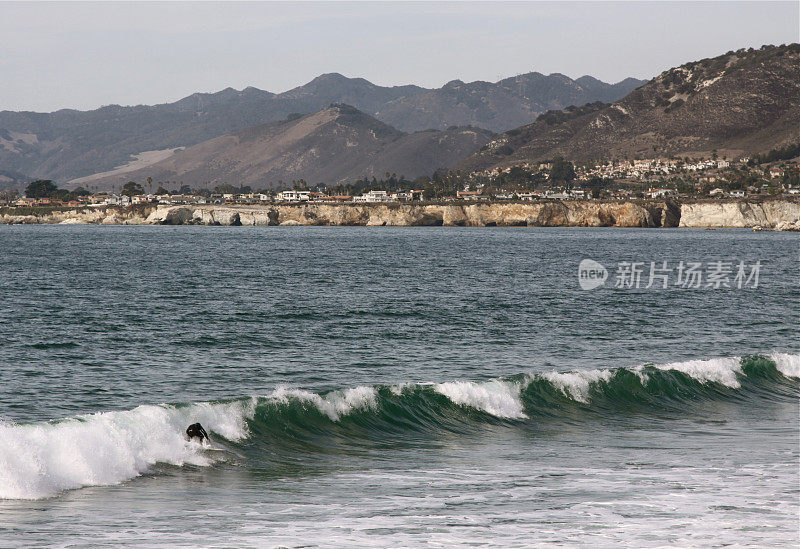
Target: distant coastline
<point x="770" y="213"/>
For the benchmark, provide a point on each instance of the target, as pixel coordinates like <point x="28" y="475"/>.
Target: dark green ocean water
<point x="394" y="387"/>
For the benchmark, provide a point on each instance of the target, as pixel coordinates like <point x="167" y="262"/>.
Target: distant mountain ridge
<point x="740" y="103"/>
<point x="498" y="106"/>
<point x="335" y="145"/>
<point x="69" y="144"/>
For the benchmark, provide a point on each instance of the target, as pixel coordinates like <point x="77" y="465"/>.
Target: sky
<point x="85" y="55"/>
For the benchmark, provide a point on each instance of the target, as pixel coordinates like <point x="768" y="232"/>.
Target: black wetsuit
<point x="196" y="430"/>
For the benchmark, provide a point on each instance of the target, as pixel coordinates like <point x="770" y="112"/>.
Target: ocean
<point x="398" y="387"/>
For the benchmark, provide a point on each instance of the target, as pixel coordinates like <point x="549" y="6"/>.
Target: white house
<point x="775" y="172"/>
<point x="374" y="196"/>
<point x="577" y="193"/>
<point x="118" y="200"/>
<point x="142" y="198"/>
<point x="293" y="196"/>
<point x="660" y="193"/>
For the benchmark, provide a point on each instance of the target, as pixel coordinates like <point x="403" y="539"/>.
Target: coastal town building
<point x="660" y="193"/>
<point x="408" y="196"/>
<point x="375" y="196"/>
<point x="654" y="178"/>
<point x="293" y="196"/>
<point x="469" y="195"/>
<point x="776" y="172"/>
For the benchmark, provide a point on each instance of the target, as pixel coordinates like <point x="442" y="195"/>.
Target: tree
<point x="41" y="188"/>
<point x="562" y="170"/>
<point x="132" y="188"/>
<point x="161" y="190"/>
<point x="224" y="188"/>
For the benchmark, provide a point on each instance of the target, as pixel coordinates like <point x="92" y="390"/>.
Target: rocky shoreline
<point x="780" y="214"/>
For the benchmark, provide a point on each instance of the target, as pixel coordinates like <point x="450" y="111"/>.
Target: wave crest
<point x="334" y="404"/>
<point x="497" y="397"/>
<point x="41" y="459"/>
<point x="788" y="365"/>
<point x="724" y="371"/>
<point x="576" y="385"/>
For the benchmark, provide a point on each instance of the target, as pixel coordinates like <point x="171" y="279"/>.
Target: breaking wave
<point x="40" y="460"/>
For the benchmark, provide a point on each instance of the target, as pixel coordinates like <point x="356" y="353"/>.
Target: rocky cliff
<point x="82" y="216"/>
<point x="772" y="214"/>
<point x="548" y="214"/>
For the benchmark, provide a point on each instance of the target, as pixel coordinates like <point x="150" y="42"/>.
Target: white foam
<point x="497" y="397"/>
<point x="39" y="460"/>
<point x="640" y="373"/>
<point x="398" y="389"/>
<point x="788" y="365"/>
<point x="576" y="385"/>
<point x="334" y="404"/>
<point x="716" y="370"/>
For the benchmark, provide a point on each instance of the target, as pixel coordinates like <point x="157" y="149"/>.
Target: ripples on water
<point x="393" y="387"/>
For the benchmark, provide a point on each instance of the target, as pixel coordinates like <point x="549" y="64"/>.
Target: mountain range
<point x="336" y="129"/>
<point x="69" y="144"/>
<point x="736" y="104"/>
<point x="334" y="145"/>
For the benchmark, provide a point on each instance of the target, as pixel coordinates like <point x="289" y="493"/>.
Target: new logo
<point x="591" y="274"/>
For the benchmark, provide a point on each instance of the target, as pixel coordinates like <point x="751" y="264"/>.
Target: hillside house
<point x="776" y="172"/>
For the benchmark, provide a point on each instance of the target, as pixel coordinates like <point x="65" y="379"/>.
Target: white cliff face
<point x="551" y="214"/>
<point x="781" y="214"/>
<point x="104" y="216"/>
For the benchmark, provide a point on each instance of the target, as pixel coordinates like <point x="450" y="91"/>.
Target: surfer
<point x="196" y="430"/>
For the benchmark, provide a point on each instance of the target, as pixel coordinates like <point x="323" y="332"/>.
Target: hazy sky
<point x="84" y="55"/>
